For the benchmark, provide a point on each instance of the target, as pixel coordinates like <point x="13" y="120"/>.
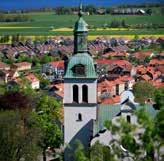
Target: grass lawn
<point x="47" y="23"/>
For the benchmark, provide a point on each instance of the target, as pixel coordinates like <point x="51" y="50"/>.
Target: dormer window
<point x="79" y="70"/>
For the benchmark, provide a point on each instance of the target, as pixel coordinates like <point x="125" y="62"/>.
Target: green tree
<point x="143" y="91"/>
<point x="46" y="59"/>
<point x="43" y="82"/>
<point x="149" y="11"/>
<point x="80" y="153"/>
<point x="47" y="120"/>
<point x="159" y="123"/>
<point x="97" y="152"/>
<point x="159" y="98"/>
<point x="18" y="140"/>
<point x="146" y="144"/>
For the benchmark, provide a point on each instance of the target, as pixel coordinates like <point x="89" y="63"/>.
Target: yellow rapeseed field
<point x="97" y="29"/>
<point x="62" y="30"/>
<point x="113" y="29"/>
<point x="16" y="27"/>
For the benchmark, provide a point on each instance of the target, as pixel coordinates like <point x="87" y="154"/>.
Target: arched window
<point x="85" y="93"/>
<point x="117" y="89"/>
<point x="79" y="117"/>
<point x="128" y="119"/>
<point x="75" y="94"/>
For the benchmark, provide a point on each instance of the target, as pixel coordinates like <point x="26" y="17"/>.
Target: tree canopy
<point x="143" y="91"/>
<point x="17" y="139"/>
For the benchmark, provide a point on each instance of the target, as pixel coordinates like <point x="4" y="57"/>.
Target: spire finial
<point x="81" y="10"/>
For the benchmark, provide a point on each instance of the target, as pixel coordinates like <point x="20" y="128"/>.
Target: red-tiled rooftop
<point x="22" y="64"/>
<point x="57" y="64"/>
<point x="156" y="62"/>
<point x="112" y="62"/>
<point x="32" y="78"/>
<point x="111" y="100"/>
<point x="142" y="55"/>
<point x="3" y="65"/>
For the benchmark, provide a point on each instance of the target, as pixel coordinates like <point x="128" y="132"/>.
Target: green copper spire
<point x="80" y="34"/>
<point x="81" y="64"/>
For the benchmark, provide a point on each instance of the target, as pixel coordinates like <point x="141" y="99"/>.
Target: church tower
<point x="80" y="89"/>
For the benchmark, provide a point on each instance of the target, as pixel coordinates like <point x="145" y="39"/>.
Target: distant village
<point x="120" y="63"/>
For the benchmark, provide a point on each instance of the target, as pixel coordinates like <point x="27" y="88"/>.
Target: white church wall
<point x="92" y="90"/>
<point x="72" y="125"/>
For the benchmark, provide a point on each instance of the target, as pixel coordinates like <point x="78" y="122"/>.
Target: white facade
<point x="88" y="111"/>
<point x="92" y="90"/>
<point x="35" y="85"/>
<point x="72" y="125"/>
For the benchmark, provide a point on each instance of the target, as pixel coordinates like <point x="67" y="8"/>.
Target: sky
<point x="28" y="4"/>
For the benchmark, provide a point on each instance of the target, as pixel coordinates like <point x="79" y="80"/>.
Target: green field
<point x="42" y="24"/>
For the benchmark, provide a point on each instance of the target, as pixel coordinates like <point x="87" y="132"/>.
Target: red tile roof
<point x="57" y="64"/>
<point x="145" y="77"/>
<point x="4" y="66"/>
<point x="111" y="100"/>
<point x="142" y="55"/>
<point x="32" y="78"/>
<point x="113" y="62"/>
<point x="156" y="62"/>
<point x="22" y="64"/>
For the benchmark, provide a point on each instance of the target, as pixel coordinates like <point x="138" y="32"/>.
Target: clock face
<point x="79" y="70"/>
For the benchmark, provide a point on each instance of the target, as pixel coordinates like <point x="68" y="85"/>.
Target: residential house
<point x="129" y="11"/>
<point x="141" y="56"/>
<point x="33" y="80"/>
<point x="21" y="66"/>
<point x="4" y="66"/>
<point x="57" y="91"/>
<point x="116" y="55"/>
<point x="53" y="70"/>
<point x="101" y="11"/>
<point x="7" y="75"/>
<point x="109" y="91"/>
<point x="113" y="69"/>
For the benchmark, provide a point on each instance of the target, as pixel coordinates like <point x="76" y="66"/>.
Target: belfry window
<point x="79" y="70"/>
<point x="75" y="94"/>
<point x="85" y="93"/>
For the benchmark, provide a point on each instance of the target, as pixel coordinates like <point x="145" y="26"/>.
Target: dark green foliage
<point x="149" y="11"/>
<point x="149" y="142"/>
<point x="96" y="152"/>
<point x="14" y="101"/>
<point x="48" y="110"/>
<point x="159" y="123"/>
<point x="159" y="98"/>
<point x="17" y="139"/>
<point x="13" y="18"/>
<point x="143" y="91"/>
<point x="79" y="153"/>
